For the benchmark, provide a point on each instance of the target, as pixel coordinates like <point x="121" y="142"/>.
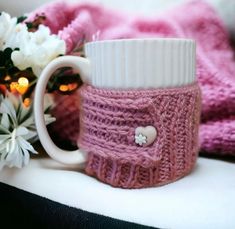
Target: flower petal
<point x="5" y="122"/>
<point x="4" y="130"/>
<point x="26" y="145"/>
<point x="7" y="107"/>
<point x="21" y="130"/>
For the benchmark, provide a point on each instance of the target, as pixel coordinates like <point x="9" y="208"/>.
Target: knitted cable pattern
<point x="108" y="120"/>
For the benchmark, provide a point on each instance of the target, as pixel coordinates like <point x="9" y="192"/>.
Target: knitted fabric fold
<point x="195" y="19"/>
<point x="108" y="121"/>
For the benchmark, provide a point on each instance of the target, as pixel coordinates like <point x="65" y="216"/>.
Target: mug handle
<point x="80" y="64"/>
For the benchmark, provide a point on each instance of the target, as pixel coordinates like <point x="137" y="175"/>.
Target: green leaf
<point x="29" y="25"/>
<point x="7" y="53"/>
<point x="21" y="19"/>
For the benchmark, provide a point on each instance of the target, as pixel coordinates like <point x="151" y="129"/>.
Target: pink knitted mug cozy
<point x="139" y="111"/>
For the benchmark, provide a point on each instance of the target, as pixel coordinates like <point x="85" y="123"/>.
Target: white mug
<point x="119" y="64"/>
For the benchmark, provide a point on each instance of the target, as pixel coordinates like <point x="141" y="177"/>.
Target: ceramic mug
<point x="139" y="111"/>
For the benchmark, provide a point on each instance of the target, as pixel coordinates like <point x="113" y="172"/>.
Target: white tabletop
<point x="203" y="199"/>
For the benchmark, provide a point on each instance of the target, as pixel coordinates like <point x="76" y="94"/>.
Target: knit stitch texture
<point x="108" y="122"/>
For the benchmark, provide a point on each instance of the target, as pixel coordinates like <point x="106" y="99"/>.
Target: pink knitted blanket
<point x="197" y="20"/>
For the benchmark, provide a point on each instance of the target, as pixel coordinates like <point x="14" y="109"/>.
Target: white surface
<point x="203" y="199"/>
<point x="141" y="63"/>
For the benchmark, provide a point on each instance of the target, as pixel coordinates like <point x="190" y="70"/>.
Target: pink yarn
<point x="195" y="19"/>
<point x="108" y="122"/>
<point x="67" y="123"/>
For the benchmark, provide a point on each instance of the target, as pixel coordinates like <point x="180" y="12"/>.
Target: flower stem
<point x="33" y="82"/>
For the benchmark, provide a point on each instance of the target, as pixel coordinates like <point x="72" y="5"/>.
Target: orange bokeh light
<point x="21" y="86"/>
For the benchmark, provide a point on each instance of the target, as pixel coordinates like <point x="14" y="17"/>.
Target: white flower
<point x="15" y="149"/>
<point x="18" y="37"/>
<point x="38" y="50"/>
<point x="17" y="132"/>
<point x="7" y="25"/>
<point x="140" y="139"/>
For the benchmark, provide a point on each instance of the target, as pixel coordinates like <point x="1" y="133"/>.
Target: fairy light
<point x="27" y="102"/>
<point x="7" y="78"/>
<point x="13" y="87"/>
<point x="23" y="85"/>
<point x="72" y="86"/>
<point x="63" y="88"/>
<point x="68" y="87"/>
